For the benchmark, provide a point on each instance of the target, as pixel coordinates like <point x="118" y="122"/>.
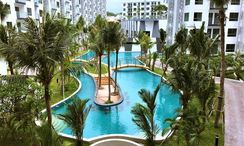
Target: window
<point x="142" y="8"/>
<point x="186" y="17"/>
<point x="187" y="2"/>
<point x="124" y="4"/>
<point x="134" y="9"/>
<point x="235" y="2"/>
<point x="29" y="12"/>
<point x="197" y="17"/>
<point x="40" y="12"/>
<point x="58" y="4"/>
<point x="9" y="10"/>
<point x="230" y="48"/>
<point x="142" y="4"/>
<point x="232" y="32"/>
<point x="124" y="9"/>
<point x="9" y="24"/>
<point x="134" y="4"/>
<point x="233" y="17"/>
<point x="134" y="14"/>
<point x="148" y="3"/>
<point x="148" y="8"/>
<point x="215" y="32"/>
<point x="209" y="32"/>
<point x="198" y="2"/>
<point x="147" y="13"/>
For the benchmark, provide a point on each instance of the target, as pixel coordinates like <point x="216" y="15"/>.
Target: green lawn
<point x="207" y="137"/>
<point x="94" y="69"/>
<point x="70" y="87"/>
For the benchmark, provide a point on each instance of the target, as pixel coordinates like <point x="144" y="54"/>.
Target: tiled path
<point x="234" y="112"/>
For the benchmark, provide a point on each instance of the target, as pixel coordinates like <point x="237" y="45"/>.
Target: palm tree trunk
<point x="62" y="79"/>
<point x="222" y="74"/>
<point x="48" y="104"/>
<point x="116" y="67"/>
<point x="10" y="65"/>
<point x="150" y="59"/>
<point x="109" y="88"/>
<point x="100" y="71"/>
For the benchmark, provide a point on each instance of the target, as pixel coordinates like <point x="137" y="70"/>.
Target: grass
<point x="70" y="87"/>
<point x="92" y="68"/>
<point x="207" y="137"/>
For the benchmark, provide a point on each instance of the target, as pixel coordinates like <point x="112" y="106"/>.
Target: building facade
<point x="70" y="9"/>
<point x="139" y="15"/>
<point x="191" y="14"/>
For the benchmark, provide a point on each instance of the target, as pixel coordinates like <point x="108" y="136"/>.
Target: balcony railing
<point x="20" y="1"/>
<point x="21" y="15"/>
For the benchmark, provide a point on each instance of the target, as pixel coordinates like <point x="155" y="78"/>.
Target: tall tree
<point x="155" y="56"/>
<point x="110" y="38"/>
<point x="4" y="11"/>
<point x="144" y="115"/>
<point x="181" y="40"/>
<point x="160" y="9"/>
<point x="76" y="116"/>
<point x="8" y="45"/>
<point x="222" y="18"/>
<point x="42" y="48"/>
<point x="120" y="38"/>
<point x="96" y="42"/>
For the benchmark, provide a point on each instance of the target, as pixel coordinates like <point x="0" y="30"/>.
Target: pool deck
<point x="102" y="95"/>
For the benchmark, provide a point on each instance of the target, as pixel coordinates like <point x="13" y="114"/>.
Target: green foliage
<point x="144" y="115"/>
<point x="111" y="14"/>
<point x="75" y="117"/>
<point x="4" y="11"/>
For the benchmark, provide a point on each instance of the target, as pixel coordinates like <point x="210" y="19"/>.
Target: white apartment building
<point x="140" y="15"/>
<point x="70" y="9"/>
<point x="191" y="14"/>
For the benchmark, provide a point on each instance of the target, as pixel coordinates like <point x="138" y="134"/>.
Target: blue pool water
<point x="124" y="58"/>
<point x="87" y="56"/>
<point x="118" y="119"/>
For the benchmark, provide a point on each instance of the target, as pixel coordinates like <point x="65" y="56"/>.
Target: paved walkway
<point x="234" y="112"/>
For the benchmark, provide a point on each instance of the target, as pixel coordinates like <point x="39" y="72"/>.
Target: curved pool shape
<point x="118" y="119"/>
<point x="87" y="56"/>
<point x="124" y="58"/>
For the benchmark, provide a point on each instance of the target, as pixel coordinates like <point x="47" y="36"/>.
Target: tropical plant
<point x="96" y="42"/>
<point x="8" y="45"/>
<point x="190" y="126"/>
<point x="181" y="40"/>
<point x="222" y="18"/>
<point x="144" y="115"/>
<point x="42" y="48"/>
<point x="160" y="9"/>
<point x="75" y="117"/>
<point x="155" y="56"/>
<point x="111" y="38"/>
<point x="4" y="11"/>
<point x="200" y="44"/>
<point x="120" y="40"/>
<point x="138" y="39"/>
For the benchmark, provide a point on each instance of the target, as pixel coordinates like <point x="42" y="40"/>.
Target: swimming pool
<point x="118" y="119"/>
<point x="87" y="56"/>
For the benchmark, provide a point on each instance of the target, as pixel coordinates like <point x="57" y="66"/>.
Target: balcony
<point x="21" y="15"/>
<point x="21" y="1"/>
<point x="36" y="3"/>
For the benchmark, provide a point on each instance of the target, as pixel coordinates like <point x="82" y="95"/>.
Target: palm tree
<point x="200" y="44"/>
<point x="160" y="9"/>
<point x="111" y="39"/>
<point x="222" y="18"/>
<point x="8" y="45"/>
<point x="96" y="42"/>
<point x="120" y="39"/>
<point x="76" y="116"/>
<point x="145" y="44"/>
<point x="144" y="115"/>
<point x="4" y="11"/>
<point x="155" y="56"/>
<point x="139" y="39"/>
<point x="42" y="48"/>
<point x="181" y="40"/>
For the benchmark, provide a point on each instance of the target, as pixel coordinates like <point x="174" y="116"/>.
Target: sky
<point x="114" y="6"/>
